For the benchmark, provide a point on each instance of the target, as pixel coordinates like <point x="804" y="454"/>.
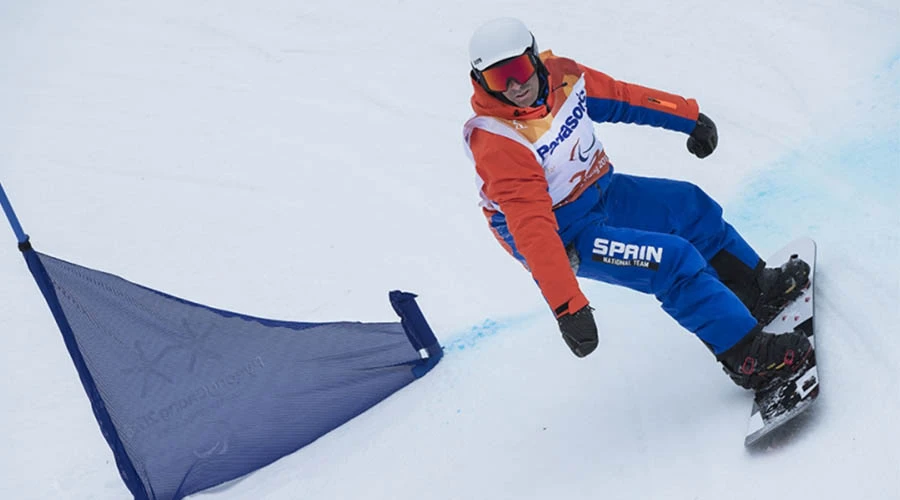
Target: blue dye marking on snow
<point x="829" y="193"/>
<point x="833" y="188"/>
<point x="836" y="187"/>
<point x="474" y="336"/>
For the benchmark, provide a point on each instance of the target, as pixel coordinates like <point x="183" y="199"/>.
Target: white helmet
<point x="497" y="40"/>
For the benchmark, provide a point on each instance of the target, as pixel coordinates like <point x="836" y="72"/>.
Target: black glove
<point x="704" y="138"/>
<point x="579" y="331"/>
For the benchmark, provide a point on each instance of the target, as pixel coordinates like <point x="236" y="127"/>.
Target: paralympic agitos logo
<point x="568" y="126"/>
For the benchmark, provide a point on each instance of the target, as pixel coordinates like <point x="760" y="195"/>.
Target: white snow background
<point x="297" y="160"/>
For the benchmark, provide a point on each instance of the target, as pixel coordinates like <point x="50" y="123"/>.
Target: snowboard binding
<point x="778" y="287"/>
<point x="762" y="359"/>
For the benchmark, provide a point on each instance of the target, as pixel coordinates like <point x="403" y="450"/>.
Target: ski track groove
<point x="842" y="345"/>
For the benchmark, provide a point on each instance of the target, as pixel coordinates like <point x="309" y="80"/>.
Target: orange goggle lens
<point x="518" y="68"/>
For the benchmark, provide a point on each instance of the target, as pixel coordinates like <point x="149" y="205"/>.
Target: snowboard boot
<point x="761" y="358"/>
<point x="764" y="290"/>
<point x="778" y="287"/>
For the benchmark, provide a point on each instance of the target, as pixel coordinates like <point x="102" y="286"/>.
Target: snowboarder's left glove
<point x="579" y="331"/>
<point x="704" y="138"/>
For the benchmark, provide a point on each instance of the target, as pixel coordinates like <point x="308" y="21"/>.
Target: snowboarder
<point x="554" y="202"/>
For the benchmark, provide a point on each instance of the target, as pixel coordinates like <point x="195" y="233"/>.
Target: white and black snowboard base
<point x="778" y="404"/>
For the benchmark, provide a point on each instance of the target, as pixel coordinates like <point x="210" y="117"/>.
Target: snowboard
<point x="776" y="405"/>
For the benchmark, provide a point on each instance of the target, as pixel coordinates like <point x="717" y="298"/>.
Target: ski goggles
<point x="519" y="68"/>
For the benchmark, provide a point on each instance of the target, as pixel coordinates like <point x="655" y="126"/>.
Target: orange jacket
<point x="514" y="177"/>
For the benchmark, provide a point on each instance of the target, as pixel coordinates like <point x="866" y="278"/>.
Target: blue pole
<point x="11" y="215"/>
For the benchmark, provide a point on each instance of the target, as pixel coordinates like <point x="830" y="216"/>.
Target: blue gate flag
<point x="188" y="396"/>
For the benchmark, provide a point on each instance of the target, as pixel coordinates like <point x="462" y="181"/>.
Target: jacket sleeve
<point x="516" y="182"/>
<point x="609" y="100"/>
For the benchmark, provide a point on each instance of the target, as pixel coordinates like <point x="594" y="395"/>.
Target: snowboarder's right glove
<point x="704" y="138"/>
<point x="579" y="331"/>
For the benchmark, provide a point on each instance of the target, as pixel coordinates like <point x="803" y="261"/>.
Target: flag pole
<point x="13" y="220"/>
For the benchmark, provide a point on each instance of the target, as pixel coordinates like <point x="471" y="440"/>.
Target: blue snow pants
<point x="657" y="236"/>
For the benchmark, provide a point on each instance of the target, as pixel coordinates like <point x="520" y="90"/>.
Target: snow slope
<point x="268" y="158"/>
